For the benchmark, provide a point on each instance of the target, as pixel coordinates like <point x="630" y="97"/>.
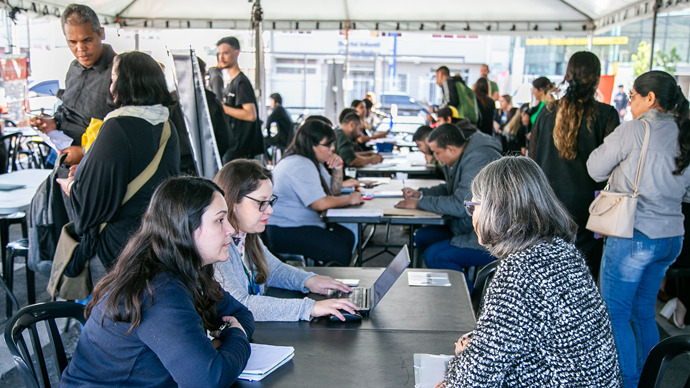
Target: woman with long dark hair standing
<point x="148" y="318"/>
<point x="486" y="106"/>
<point x="306" y="188"/>
<point x="632" y="268"/>
<point x="564" y="135"/>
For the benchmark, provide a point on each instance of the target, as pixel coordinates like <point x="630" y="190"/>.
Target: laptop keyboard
<point x="359" y="296"/>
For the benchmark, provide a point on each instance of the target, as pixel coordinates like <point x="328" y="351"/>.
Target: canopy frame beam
<point x="577" y="10"/>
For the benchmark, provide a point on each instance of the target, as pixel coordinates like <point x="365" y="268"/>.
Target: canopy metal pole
<point x="346" y="83"/>
<point x="590" y="40"/>
<point x="657" y="3"/>
<point x="260" y="68"/>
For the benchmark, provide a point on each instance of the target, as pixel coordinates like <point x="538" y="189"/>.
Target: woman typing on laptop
<point x="248" y="190"/>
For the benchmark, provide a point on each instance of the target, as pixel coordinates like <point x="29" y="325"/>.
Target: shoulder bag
<point x="79" y="287"/>
<point x="613" y="214"/>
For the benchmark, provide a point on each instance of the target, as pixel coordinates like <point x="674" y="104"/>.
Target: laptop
<point x="367" y="298"/>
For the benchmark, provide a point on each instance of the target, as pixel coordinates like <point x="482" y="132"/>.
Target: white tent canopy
<point x="493" y="16"/>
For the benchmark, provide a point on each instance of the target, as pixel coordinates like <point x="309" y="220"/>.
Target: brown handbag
<point x="612" y="213"/>
<point x="80" y="287"/>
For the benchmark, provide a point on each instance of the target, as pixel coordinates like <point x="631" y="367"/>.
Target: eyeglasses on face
<point x="469" y="207"/>
<point x="327" y="145"/>
<point x="263" y="205"/>
<point x="631" y="94"/>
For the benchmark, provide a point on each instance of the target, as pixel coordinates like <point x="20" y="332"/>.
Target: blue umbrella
<point x="48" y="88"/>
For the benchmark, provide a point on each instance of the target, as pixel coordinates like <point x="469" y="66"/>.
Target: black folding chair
<point x="659" y="358"/>
<point x="31" y="361"/>
<point x="12" y="143"/>
<point x="37" y="152"/>
<point x="484" y="277"/>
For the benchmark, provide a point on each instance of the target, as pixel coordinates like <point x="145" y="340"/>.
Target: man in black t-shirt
<point x="239" y="102"/>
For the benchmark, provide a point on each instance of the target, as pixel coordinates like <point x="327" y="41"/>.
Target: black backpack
<point x="45" y="218"/>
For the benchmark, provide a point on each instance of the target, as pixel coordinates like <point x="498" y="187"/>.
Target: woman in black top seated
<point x="149" y="317"/>
<point x="126" y="144"/>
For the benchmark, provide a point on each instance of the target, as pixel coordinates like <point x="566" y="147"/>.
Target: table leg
<point x="360" y="249"/>
<point x="4" y="240"/>
<point x="412" y="249"/>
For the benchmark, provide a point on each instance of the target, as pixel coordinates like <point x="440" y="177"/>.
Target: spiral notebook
<point x="264" y="360"/>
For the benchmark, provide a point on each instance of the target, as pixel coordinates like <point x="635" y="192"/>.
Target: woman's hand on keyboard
<point x="333" y="306"/>
<point x="321" y="284"/>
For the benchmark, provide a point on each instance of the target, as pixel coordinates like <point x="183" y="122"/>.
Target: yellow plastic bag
<point x="90" y="134"/>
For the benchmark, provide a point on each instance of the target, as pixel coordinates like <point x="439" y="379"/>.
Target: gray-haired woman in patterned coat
<point x="543" y="322"/>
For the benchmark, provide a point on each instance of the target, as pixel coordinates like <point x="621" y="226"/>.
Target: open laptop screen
<point x="390" y="275"/>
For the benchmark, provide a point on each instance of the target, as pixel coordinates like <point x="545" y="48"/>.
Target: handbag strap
<point x="148" y="172"/>
<point x="643" y="153"/>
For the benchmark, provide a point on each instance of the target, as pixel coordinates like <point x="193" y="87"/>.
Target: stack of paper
<point x="429" y="369"/>
<point x="398" y="212"/>
<point x="264" y="360"/>
<point x="437" y="279"/>
<point x="354" y="212"/>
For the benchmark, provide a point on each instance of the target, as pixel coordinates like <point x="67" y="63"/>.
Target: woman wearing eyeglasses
<point x="248" y="191"/>
<point x="306" y="189"/>
<point x="543" y="322"/>
<point x="632" y="268"/>
<point x="149" y="317"/>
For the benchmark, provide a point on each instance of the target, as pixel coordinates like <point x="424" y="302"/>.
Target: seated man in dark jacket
<point x="454" y="246"/>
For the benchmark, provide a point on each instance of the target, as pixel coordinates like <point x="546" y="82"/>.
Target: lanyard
<point x="239" y="240"/>
<point x="253" y="288"/>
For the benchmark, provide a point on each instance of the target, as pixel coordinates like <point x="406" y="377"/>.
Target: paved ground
<point x="676" y="376"/>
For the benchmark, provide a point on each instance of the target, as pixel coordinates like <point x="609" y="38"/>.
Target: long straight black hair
<point x="670" y="98"/>
<point x="309" y="135"/>
<point x="163" y="243"/>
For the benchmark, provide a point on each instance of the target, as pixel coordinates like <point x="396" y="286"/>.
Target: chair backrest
<point x="659" y="358"/>
<point x="481" y="283"/>
<point x="31" y="362"/>
<point x="38" y="152"/>
<point x="12" y="143"/>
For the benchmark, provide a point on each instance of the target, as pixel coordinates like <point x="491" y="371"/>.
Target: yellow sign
<point x="596" y="41"/>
